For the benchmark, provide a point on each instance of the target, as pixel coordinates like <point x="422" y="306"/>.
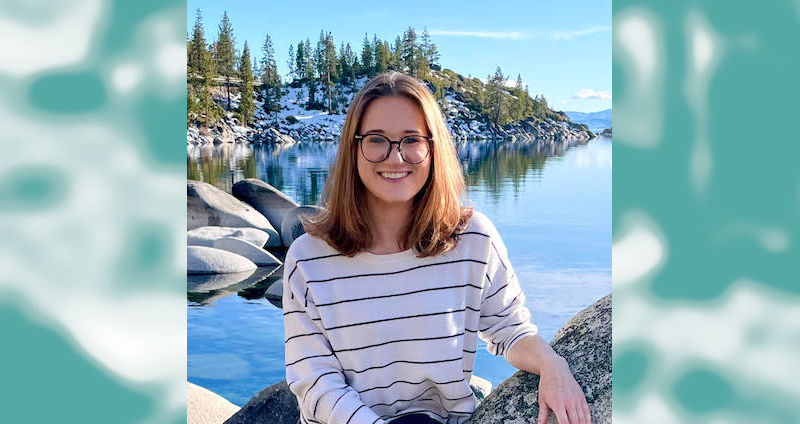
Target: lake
<point x="551" y="205"/>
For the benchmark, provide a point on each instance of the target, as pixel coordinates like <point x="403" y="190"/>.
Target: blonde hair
<point x="437" y="214"/>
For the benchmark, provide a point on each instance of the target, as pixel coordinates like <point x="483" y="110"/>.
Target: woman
<point x="386" y="294"/>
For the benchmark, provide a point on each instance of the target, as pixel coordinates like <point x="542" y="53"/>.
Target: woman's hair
<point x="437" y="213"/>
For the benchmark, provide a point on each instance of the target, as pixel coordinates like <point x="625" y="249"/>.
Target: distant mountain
<point x="597" y="121"/>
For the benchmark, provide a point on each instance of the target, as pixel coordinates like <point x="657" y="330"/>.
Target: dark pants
<point x="414" y="419"/>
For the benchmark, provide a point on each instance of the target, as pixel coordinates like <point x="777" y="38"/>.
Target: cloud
<point x="527" y="34"/>
<point x="566" y="35"/>
<point x="588" y="93"/>
<point x="480" y="34"/>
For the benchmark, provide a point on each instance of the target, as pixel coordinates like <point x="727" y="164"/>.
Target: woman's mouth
<point x="394" y="176"/>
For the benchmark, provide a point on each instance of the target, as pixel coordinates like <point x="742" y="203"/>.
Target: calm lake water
<point x="551" y="207"/>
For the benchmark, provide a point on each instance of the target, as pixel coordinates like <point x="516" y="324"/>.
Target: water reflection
<point x="300" y="170"/>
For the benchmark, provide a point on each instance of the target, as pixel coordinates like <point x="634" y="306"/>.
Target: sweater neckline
<point x="386" y="258"/>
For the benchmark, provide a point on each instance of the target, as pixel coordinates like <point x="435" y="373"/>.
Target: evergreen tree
<point x="408" y="51"/>
<point x="319" y="56"/>
<point x="368" y="58"/>
<point x="396" y="62"/>
<point x="309" y="60"/>
<point x="225" y="53"/>
<point x="429" y="51"/>
<point x="197" y="45"/>
<point x="206" y="106"/>
<point x="383" y="57"/>
<point x="498" y="109"/>
<point x="300" y="61"/>
<point x="329" y="66"/>
<point x="290" y="64"/>
<point x="518" y="105"/>
<point x="270" y="79"/>
<point x="341" y="66"/>
<point x="246" y="102"/>
<point x="352" y="63"/>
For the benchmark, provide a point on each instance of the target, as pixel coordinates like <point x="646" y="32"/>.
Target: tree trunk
<point x="329" y="91"/>
<point x="228" y="88"/>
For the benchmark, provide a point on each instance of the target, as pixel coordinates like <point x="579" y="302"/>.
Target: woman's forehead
<point x="397" y="115"/>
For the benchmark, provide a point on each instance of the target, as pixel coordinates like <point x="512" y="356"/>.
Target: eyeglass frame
<point x="360" y="138"/>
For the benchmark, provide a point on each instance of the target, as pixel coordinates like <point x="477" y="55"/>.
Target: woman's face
<point x="392" y="116"/>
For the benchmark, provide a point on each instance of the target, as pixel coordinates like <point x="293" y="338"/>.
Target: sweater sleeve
<point x="504" y="318"/>
<point x="313" y="372"/>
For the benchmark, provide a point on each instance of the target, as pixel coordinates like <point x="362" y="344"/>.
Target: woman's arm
<point x="558" y="389"/>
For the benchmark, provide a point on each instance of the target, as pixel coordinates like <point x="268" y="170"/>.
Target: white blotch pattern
<point x="638" y="42"/>
<point x="28" y="48"/>
<point x="639" y="251"/>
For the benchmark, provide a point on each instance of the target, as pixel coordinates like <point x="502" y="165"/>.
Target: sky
<point x="560" y="49"/>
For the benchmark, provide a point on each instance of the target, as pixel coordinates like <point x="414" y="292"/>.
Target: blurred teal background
<point x="706" y="202"/>
<point x="705" y="211"/>
<point x="92" y="211"/>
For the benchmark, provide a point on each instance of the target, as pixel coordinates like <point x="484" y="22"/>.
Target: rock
<point x="275" y="405"/>
<point x="585" y="342"/>
<point x="481" y="387"/>
<point x="291" y="228"/>
<point x="209" y="282"/>
<point x="275" y="291"/>
<point x="206" y="407"/>
<point x="207" y="205"/>
<point x="249" y="250"/>
<point x="205" y="236"/>
<point x="264" y="198"/>
<point x="208" y="260"/>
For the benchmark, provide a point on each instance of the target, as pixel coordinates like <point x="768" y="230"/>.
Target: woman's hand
<point x="559" y="391"/>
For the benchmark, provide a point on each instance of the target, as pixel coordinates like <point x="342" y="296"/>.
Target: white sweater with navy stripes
<point x="372" y="337"/>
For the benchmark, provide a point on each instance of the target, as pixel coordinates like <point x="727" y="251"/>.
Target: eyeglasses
<point x="376" y="148"/>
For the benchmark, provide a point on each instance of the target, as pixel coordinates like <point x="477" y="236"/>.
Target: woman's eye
<point x="411" y="140"/>
<point x="375" y="140"/>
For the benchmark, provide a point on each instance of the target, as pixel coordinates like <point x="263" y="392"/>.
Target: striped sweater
<point x="372" y="337"/>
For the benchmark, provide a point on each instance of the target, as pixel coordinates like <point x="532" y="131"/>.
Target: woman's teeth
<point x="393" y="175"/>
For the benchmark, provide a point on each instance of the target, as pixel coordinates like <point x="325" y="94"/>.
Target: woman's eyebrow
<point x="404" y="132"/>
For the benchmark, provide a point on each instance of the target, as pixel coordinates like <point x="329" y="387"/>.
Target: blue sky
<point x="561" y="49"/>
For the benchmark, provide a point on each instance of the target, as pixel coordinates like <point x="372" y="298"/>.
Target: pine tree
<point x="498" y="109"/>
<point x="367" y="58"/>
<point x="396" y="62"/>
<point x="197" y="45"/>
<point x="518" y="106"/>
<point x="342" y="67"/>
<point x="329" y="63"/>
<point x="225" y="53"/>
<point x="290" y="64"/>
<point x="246" y="103"/>
<point x="309" y="60"/>
<point x="207" y="107"/>
<point x="429" y="51"/>
<point x="350" y="63"/>
<point x="408" y="52"/>
<point x="270" y="79"/>
<point x="383" y="57"/>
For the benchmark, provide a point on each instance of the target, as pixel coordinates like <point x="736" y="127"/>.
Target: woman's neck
<point x="388" y="222"/>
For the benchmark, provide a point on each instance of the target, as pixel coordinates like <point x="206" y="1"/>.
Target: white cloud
<point x="479" y="34"/>
<point x="526" y="34"/>
<point x="588" y="93"/>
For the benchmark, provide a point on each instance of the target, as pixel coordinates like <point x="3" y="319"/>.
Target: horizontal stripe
<point x="397" y="294"/>
<point x="498" y="290"/>
<point x="375" y="274"/>
<point x="405" y="362"/>
<point x="491" y="240"/>
<point x="510" y="305"/>
<point x="398" y="341"/>
<point x="394" y="319"/>
<point x="410" y="382"/>
<point x="308" y="357"/>
<point x="301" y="335"/>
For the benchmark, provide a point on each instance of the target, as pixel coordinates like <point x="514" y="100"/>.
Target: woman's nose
<point x="394" y="154"/>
